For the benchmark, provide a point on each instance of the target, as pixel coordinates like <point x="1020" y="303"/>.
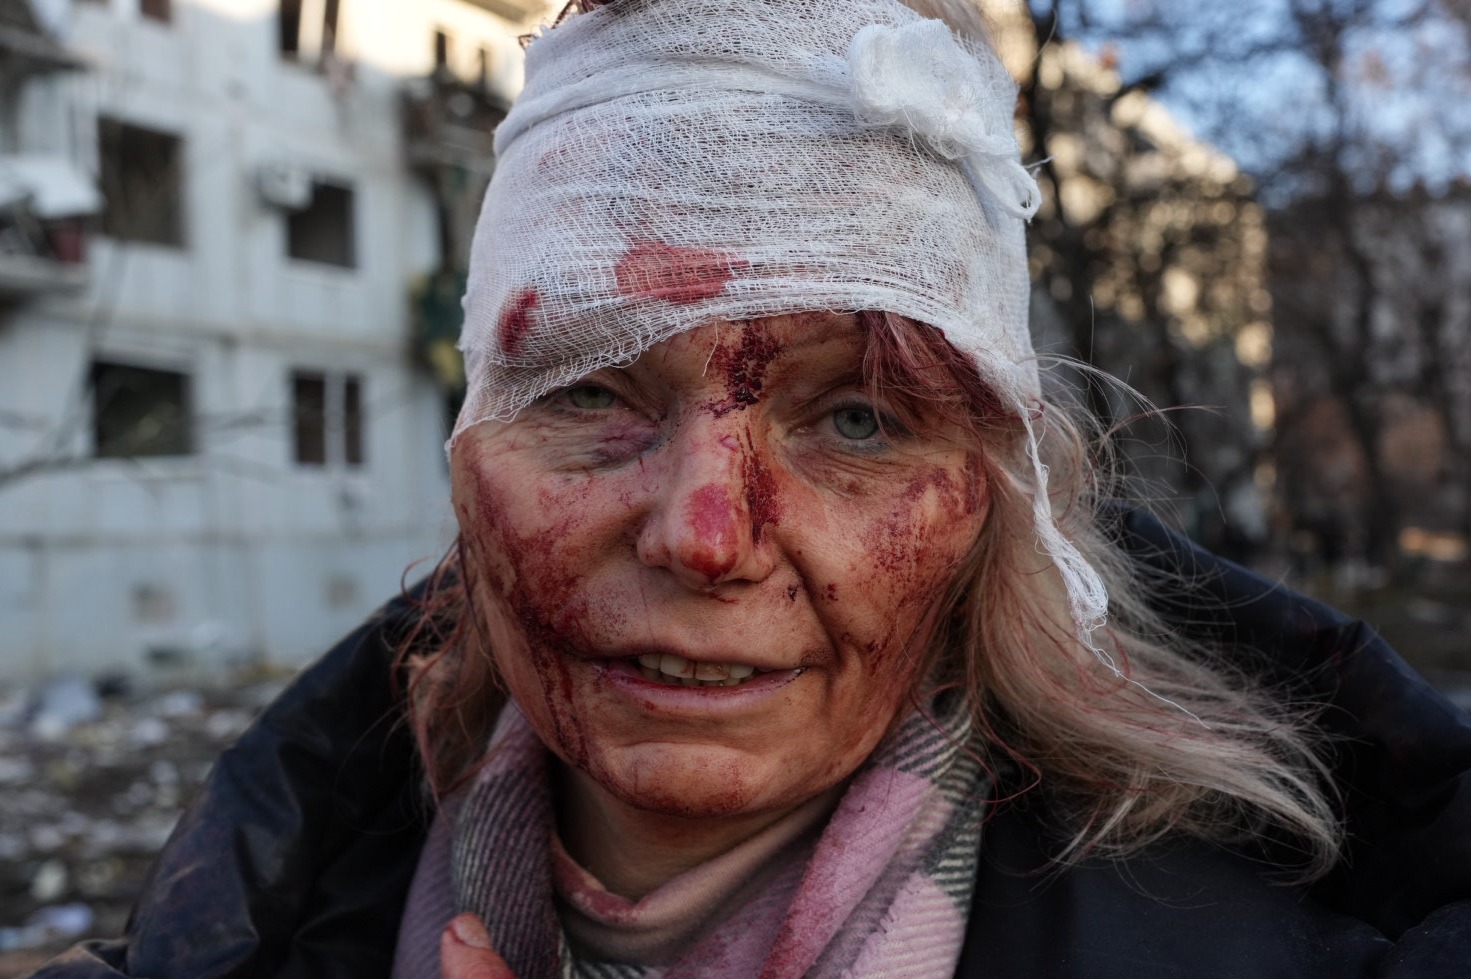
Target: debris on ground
<point x="94" y="776"/>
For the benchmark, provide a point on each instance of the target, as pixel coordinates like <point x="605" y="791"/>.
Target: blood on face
<point x="733" y="522"/>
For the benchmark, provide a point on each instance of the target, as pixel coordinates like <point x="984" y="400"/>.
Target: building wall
<point x="236" y="551"/>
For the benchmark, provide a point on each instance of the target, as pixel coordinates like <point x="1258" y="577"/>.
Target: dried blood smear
<point x="763" y="504"/>
<point x="654" y="270"/>
<point x="539" y="594"/>
<point x="516" y="320"/>
<point x="744" y="366"/>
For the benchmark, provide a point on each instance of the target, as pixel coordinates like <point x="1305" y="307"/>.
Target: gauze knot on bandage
<point x="672" y="163"/>
<point x="918" y="78"/>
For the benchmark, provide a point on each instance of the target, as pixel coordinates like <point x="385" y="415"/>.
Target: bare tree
<point x="1339" y="109"/>
<point x="1150" y="254"/>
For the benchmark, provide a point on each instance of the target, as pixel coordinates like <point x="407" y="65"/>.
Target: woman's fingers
<point x="465" y="952"/>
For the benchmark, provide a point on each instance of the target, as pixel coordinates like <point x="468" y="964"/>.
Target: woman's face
<point x="709" y="578"/>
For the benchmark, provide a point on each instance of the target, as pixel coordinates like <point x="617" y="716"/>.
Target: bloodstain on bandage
<point x="515" y="321"/>
<point x="654" y="270"/>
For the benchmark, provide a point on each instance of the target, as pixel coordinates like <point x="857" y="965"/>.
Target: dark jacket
<point x="295" y="859"/>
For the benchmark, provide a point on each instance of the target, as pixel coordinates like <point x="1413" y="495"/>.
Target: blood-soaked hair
<point x="914" y="370"/>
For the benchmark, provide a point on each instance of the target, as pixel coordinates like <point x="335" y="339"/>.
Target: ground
<point x="87" y="806"/>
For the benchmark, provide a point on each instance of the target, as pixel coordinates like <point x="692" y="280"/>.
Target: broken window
<point x="139" y="411"/>
<point x="324" y="230"/>
<point x="328" y="418"/>
<point x="441" y="51"/>
<point x="156" y="9"/>
<point x="352" y="420"/>
<point x="484" y="68"/>
<point x="309" y="417"/>
<point x="307" y="28"/>
<point x="329" y="26"/>
<point x="289" y="22"/>
<point x="142" y="183"/>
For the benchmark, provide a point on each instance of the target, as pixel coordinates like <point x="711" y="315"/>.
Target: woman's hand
<point x="465" y="952"/>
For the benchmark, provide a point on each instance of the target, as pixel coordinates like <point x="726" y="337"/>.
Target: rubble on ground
<point x="94" y="777"/>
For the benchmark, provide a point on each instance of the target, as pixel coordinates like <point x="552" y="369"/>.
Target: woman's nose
<point x="702" y="526"/>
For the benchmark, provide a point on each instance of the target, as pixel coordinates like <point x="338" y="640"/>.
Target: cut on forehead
<point x="799" y="331"/>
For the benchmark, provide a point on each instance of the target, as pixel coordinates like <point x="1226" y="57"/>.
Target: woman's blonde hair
<point x="1136" y="731"/>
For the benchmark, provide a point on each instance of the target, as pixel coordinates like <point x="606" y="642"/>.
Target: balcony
<point x="46" y="206"/>
<point x="515" y="11"/>
<point x="25" y="47"/>
<point x="451" y="123"/>
<point x="449" y="133"/>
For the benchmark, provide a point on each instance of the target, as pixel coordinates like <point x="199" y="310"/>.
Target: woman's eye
<point x="856" y="422"/>
<point x="590" y="397"/>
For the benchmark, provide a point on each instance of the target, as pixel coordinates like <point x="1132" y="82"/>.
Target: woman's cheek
<point x="908" y="557"/>
<point x="529" y="544"/>
<point x="520" y="533"/>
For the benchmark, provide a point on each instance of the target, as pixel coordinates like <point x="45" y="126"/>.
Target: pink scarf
<point x="883" y="891"/>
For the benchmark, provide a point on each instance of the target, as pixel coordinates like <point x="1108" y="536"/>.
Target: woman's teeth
<point x="678" y="671"/>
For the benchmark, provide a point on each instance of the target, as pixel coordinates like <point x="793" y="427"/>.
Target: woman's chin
<point x="695" y="781"/>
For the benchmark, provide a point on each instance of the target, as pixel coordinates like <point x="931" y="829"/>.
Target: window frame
<point x="329" y="432"/>
<point x="107" y="435"/>
<point x="305" y="244"/>
<point x="162" y="222"/>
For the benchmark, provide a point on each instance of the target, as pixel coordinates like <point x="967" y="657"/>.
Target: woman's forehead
<point x="752" y="347"/>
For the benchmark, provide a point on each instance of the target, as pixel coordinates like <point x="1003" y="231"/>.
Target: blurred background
<point x="233" y="236"/>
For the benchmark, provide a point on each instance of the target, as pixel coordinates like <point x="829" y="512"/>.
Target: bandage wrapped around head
<point x="676" y="162"/>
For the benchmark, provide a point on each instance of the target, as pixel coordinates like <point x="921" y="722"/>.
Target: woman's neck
<point x="632" y="852"/>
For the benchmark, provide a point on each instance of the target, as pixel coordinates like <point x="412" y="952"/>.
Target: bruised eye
<point x="589" y="397"/>
<point x="856" y="422"/>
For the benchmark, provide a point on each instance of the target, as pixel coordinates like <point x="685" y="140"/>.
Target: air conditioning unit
<point x="284" y="185"/>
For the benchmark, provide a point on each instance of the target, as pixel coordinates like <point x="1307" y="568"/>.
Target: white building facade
<point x="216" y="441"/>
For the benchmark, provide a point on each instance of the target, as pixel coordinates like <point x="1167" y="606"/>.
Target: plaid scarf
<point x="885" y="892"/>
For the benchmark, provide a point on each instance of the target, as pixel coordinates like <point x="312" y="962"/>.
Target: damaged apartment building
<point x="232" y="235"/>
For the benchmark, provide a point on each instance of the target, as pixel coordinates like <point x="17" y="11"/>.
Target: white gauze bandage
<point x="674" y="162"/>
